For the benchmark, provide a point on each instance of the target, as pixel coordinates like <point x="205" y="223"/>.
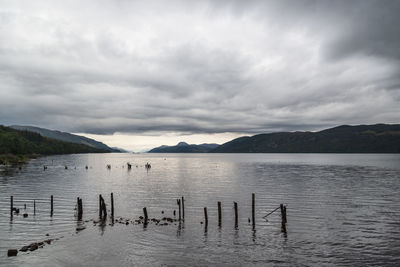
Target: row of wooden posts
<point x="181" y="210"/>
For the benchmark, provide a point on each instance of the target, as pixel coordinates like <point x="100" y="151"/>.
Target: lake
<point x="342" y="209"/>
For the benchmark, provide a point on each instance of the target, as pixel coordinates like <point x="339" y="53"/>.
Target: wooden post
<point x="51" y="206"/>
<point x="145" y="215"/>
<point x="219" y="214"/>
<point x="205" y="216"/>
<point x="104" y="208"/>
<point x="80" y="208"/>
<point x="253" y="209"/>
<point x="283" y="218"/>
<point x="236" y="214"/>
<point x="12" y="205"/>
<point x="100" y="207"/>
<point x="284" y="214"/>
<point x="183" y="208"/>
<point x="112" y="207"/>
<point x="34" y="207"/>
<point x="178" y="201"/>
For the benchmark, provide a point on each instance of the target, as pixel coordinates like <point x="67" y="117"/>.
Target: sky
<point x="139" y="74"/>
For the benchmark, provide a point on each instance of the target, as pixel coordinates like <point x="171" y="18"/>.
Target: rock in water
<point x="80" y="228"/>
<point x="12" y="252"/>
<point x="25" y="215"/>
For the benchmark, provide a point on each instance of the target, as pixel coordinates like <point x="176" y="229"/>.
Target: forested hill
<point x="378" y="138"/>
<point x="66" y="137"/>
<point x="25" y="143"/>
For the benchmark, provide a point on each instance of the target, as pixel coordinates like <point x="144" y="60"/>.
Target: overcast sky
<point x="138" y="74"/>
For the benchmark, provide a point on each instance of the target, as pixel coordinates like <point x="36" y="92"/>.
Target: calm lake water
<point x="342" y="210"/>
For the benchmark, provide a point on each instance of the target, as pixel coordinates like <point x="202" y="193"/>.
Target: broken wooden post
<point x="12" y="205"/>
<point x="236" y="214"/>
<point x="178" y="201"/>
<point x="253" y="209"/>
<point x="219" y="214"/>
<point x="284" y="214"/>
<point x="205" y="216"/>
<point x="104" y="208"/>
<point x="112" y="207"/>
<point x="283" y="218"/>
<point x="51" y="206"/>
<point x="101" y="207"/>
<point x="183" y="208"/>
<point x="145" y="216"/>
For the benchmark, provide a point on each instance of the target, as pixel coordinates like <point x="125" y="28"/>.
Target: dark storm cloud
<point x="199" y="67"/>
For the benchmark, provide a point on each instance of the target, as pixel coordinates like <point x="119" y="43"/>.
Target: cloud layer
<point x="102" y="67"/>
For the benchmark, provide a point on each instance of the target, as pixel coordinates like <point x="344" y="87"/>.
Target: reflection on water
<point x="341" y="209"/>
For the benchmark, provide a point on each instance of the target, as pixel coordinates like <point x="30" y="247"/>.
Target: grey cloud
<point x="191" y="67"/>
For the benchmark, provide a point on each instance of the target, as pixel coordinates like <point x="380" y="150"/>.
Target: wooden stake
<point x="183" y="208"/>
<point x="145" y="215"/>
<point x="236" y="214"/>
<point x="253" y="209"/>
<point x="205" y="216"/>
<point x="112" y="207"/>
<point x="104" y="208"/>
<point x="51" y="206"/>
<point x="219" y="214"/>
<point x="12" y="205"/>
<point x="100" y="207"/>
<point x="34" y="207"/>
<point x="178" y="201"/>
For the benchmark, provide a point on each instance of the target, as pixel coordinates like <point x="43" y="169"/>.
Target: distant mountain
<point x="183" y="147"/>
<point x="66" y="137"/>
<point x="378" y="138"/>
<point x="15" y="142"/>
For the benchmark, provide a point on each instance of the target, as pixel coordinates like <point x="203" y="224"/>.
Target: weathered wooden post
<point x="51" y="206"/>
<point x="145" y="216"/>
<point x="284" y="214"/>
<point x="183" y="208"/>
<point x="219" y="214"/>
<point x="104" y="208"/>
<point x="253" y="209"/>
<point x="112" y="207"/>
<point x="80" y="208"/>
<point x="283" y="218"/>
<point x="100" y="207"/>
<point x="205" y="216"/>
<point x="34" y="207"/>
<point x="12" y="205"/>
<point x="178" y="201"/>
<point x="236" y="214"/>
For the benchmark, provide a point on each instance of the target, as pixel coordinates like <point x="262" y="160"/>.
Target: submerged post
<point x="283" y="218"/>
<point x="11" y="205"/>
<point x="34" y="207"/>
<point x="284" y="213"/>
<point x="236" y="214"/>
<point x="104" y="208"/>
<point x="253" y="209"/>
<point x="219" y="214"/>
<point x="51" y="206"/>
<point x="112" y="207"/>
<point x="145" y="216"/>
<point x="183" y="208"/>
<point x="205" y="217"/>
<point x="178" y="201"/>
<point x="100" y="207"/>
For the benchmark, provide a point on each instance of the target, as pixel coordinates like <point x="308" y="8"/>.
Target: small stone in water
<point x="12" y="252"/>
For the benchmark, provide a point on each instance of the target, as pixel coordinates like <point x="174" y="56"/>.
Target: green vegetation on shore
<point x="18" y="146"/>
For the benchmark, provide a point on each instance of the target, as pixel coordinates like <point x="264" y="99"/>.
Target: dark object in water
<point x="66" y="167"/>
<point x="25" y="215"/>
<point x="129" y="166"/>
<point x="12" y="252"/>
<point x="86" y="167"/>
<point x="108" y="166"/>
<point x="148" y="166"/>
<point x="80" y="228"/>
